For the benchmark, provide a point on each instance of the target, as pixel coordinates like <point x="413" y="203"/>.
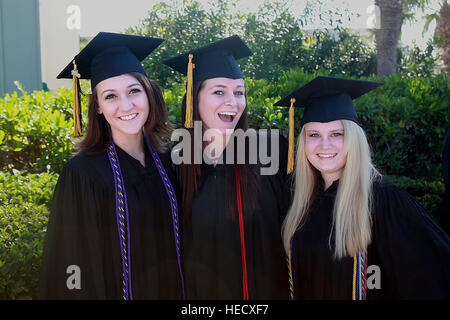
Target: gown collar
<point x="331" y="189"/>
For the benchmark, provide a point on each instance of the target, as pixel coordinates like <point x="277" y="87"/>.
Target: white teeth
<point x="129" y="117"/>
<point x="321" y="155"/>
<point x="228" y="113"/>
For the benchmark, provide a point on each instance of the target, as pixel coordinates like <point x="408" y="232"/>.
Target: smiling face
<point x="221" y="102"/>
<point x="324" y="148"/>
<point x="124" y="103"/>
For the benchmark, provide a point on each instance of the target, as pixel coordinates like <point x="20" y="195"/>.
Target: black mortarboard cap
<point x="214" y="60"/>
<point x="107" y="55"/>
<point x="325" y="99"/>
<point x="111" y="54"/>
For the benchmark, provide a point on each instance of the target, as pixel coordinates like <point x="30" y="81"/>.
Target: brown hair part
<point x="98" y="133"/>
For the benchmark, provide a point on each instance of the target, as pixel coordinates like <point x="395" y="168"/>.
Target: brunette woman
<point x="232" y="245"/>
<point x="113" y="230"/>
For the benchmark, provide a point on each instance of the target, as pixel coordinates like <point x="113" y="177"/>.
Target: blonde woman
<point x="350" y="233"/>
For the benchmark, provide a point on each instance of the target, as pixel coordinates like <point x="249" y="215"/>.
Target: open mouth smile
<point x="327" y="155"/>
<point x="227" y="116"/>
<point x="128" y="117"/>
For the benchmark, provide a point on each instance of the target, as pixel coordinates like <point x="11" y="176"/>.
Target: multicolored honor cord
<point x="359" y="291"/>
<point x="122" y="216"/>
<point x="360" y="278"/>
<point x="291" y="281"/>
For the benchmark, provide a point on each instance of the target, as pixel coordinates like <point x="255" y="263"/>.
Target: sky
<point x="100" y="15"/>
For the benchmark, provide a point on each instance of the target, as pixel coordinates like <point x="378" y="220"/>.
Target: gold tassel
<point x="188" y="123"/>
<point x="76" y="101"/>
<point x="290" y="166"/>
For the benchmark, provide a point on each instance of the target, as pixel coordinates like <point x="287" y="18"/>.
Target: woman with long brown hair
<point x="232" y="245"/>
<point x="113" y="230"/>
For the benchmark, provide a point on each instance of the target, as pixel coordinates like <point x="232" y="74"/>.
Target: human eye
<point x="110" y="96"/>
<point x="314" y="135"/>
<point x="336" y="134"/>
<point x="239" y="93"/>
<point x="218" y="92"/>
<point x="135" y="90"/>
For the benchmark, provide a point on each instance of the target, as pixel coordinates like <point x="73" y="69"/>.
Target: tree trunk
<point x="387" y="35"/>
<point x="443" y="33"/>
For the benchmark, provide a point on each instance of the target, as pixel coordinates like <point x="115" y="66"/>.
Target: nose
<point x="230" y="100"/>
<point x="325" y="142"/>
<point x="126" y="103"/>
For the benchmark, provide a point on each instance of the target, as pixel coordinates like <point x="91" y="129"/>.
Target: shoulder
<point x="82" y="162"/>
<point x="165" y="155"/>
<point x="91" y="167"/>
<point x="392" y="203"/>
<point x="386" y="191"/>
<point x="382" y="184"/>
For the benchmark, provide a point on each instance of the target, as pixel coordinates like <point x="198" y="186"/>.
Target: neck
<point x="328" y="179"/>
<point x="133" y="145"/>
<point x="218" y="144"/>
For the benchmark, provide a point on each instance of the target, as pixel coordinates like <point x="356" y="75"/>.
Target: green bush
<point x="428" y="193"/>
<point x="275" y="36"/>
<point x="405" y="121"/>
<point x="24" y="210"/>
<point x="36" y="130"/>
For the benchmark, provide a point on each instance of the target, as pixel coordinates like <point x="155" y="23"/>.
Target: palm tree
<point x="392" y="15"/>
<point x="387" y="35"/>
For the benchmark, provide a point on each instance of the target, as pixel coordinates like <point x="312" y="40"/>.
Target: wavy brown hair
<point x="98" y="133"/>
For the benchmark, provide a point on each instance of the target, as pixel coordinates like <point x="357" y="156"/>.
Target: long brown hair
<point x="98" y="133"/>
<point x="190" y="174"/>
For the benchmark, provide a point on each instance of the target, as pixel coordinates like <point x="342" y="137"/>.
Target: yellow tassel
<point x="76" y="102"/>
<point x="188" y="123"/>
<point x="290" y="166"/>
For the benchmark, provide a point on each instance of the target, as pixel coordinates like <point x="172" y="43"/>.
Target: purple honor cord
<point x="173" y="205"/>
<point x="122" y="219"/>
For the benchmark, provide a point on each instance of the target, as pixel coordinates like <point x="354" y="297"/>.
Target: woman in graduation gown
<point x="232" y="246"/>
<point x="113" y="227"/>
<point x="444" y="210"/>
<point x="350" y="233"/>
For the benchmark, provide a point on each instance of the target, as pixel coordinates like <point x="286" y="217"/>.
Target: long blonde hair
<point x="352" y="207"/>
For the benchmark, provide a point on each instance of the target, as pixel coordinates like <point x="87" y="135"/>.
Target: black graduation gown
<point x="444" y="212"/>
<point x="82" y="231"/>
<point x="211" y="243"/>
<point x="409" y="247"/>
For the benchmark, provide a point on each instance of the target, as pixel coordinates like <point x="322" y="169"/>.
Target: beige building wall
<point x="59" y="32"/>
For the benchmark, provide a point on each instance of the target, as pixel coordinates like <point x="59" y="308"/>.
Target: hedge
<point x="24" y="211"/>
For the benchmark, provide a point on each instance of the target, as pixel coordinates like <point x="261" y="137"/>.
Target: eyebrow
<point x="224" y="86"/>
<point x="313" y="130"/>
<point x="131" y="85"/>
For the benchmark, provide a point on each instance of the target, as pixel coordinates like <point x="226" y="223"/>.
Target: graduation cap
<point x="106" y="55"/>
<point x="214" y="60"/>
<point x="325" y="99"/>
